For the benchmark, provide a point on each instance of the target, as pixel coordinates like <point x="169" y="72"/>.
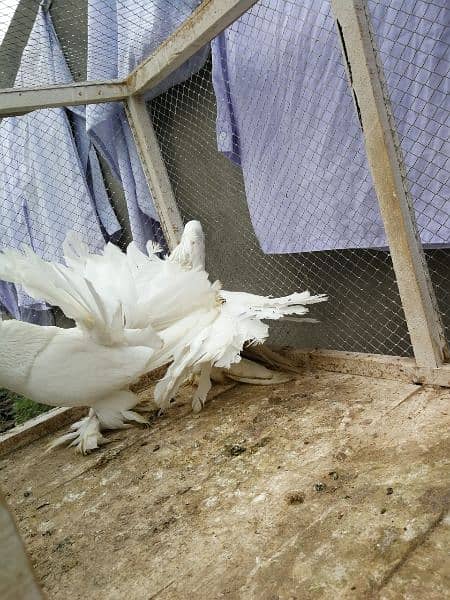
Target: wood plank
<point x="386" y="164"/>
<point x="205" y="23"/>
<point x="19" y="101"/>
<point x="17" y="580"/>
<point x="154" y="169"/>
<point x="377" y="366"/>
<point x="32" y="430"/>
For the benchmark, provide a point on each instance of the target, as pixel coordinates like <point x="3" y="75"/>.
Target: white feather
<point x="237" y="322"/>
<point x="92" y="364"/>
<point x="134" y="312"/>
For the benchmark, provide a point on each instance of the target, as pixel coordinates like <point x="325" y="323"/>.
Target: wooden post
<point x="205" y="23"/>
<point x="17" y="579"/>
<point x="154" y="169"/>
<point x="386" y="164"/>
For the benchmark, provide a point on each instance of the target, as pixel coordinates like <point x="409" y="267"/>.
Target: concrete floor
<point x="332" y="486"/>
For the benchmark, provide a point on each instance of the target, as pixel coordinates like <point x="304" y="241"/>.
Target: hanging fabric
<point x="44" y="189"/>
<point x="121" y="33"/>
<point x="286" y="116"/>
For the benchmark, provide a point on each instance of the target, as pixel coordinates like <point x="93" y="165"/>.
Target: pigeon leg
<point x="204" y="385"/>
<point x="85" y="435"/>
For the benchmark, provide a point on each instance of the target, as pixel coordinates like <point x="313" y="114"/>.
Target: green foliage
<point x="26" y="409"/>
<point x="21" y="408"/>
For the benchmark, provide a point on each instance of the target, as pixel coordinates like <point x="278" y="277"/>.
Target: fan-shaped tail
<point x="100" y="315"/>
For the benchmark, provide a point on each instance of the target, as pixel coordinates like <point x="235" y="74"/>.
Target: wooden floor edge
<point x="369" y="365"/>
<point x="35" y="428"/>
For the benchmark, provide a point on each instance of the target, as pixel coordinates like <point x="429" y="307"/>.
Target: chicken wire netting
<point x="364" y="312"/>
<point x="100" y="39"/>
<point x="298" y="211"/>
<point x="53" y="181"/>
<point x="414" y="42"/>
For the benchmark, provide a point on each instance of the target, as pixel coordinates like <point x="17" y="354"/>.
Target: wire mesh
<point x="261" y="143"/>
<point x="53" y="181"/>
<point x="121" y="34"/>
<point x="414" y="44"/>
<point x="364" y="312"/>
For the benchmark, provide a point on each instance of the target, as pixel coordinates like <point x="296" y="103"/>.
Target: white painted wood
<point x="155" y="170"/>
<point x="386" y="165"/>
<point x="19" y="101"/>
<point x="205" y="23"/>
<point x="17" y="580"/>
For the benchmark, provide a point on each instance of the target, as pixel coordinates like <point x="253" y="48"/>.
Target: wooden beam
<point x="35" y="428"/>
<point x="19" y="101"/>
<point x="17" y="580"/>
<point x="154" y="169"/>
<point x="368" y="365"/>
<point x="205" y="23"/>
<point x="386" y="164"/>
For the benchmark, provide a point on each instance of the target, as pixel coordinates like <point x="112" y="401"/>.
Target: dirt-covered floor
<point x="332" y="486"/>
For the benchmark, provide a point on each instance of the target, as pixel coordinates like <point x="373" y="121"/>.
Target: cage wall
<point x="54" y="182"/>
<point x="414" y="42"/>
<point x="364" y="312"/>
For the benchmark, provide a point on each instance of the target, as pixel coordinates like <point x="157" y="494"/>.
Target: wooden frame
<point x="19" y="101"/>
<point x="205" y="23"/>
<point x="379" y="366"/>
<point x="386" y="164"/>
<point x="154" y="169"/>
<point x="208" y="20"/>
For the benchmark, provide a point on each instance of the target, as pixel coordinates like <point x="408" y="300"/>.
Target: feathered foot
<point x="113" y="413"/>
<point x="271" y="359"/>
<point x="131" y="415"/>
<point x="84" y="435"/>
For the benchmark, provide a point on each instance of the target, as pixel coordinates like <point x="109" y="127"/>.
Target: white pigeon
<point x="237" y="322"/>
<point x="214" y="347"/>
<point x="172" y="297"/>
<point x="92" y="364"/>
<point x="202" y="326"/>
<point x="124" y="298"/>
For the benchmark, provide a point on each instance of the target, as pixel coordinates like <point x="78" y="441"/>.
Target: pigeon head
<point x="190" y="252"/>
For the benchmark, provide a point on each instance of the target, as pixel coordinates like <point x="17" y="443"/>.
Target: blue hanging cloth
<point x="50" y="181"/>
<point x="285" y="115"/>
<point x="121" y="33"/>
